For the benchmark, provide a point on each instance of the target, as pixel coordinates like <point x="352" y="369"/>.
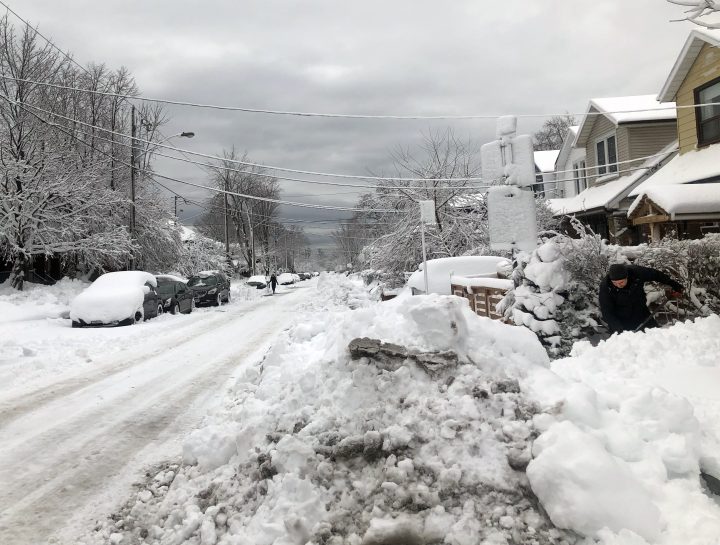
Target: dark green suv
<point x="210" y="288"/>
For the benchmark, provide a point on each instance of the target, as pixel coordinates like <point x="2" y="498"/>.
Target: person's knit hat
<point x="618" y="271"/>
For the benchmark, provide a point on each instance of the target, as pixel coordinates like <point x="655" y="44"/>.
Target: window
<point x="708" y="119"/>
<point x="606" y="156"/>
<point x="580" y="177"/>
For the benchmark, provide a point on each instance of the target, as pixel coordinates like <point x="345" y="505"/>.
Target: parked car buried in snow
<point x="210" y="288"/>
<point x="115" y="299"/>
<point x="258" y="281"/>
<point x="285" y="279"/>
<point x="175" y="295"/>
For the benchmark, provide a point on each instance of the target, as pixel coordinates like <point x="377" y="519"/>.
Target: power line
<point x="260" y="174"/>
<point x="50" y="42"/>
<point x="257" y="165"/>
<point x="345" y="116"/>
<point x="208" y="188"/>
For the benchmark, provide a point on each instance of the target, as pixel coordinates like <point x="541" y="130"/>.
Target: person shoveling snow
<point x="622" y="297"/>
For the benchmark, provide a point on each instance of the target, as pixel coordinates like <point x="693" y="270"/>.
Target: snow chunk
<point x="585" y="489"/>
<point x="210" y="447"/>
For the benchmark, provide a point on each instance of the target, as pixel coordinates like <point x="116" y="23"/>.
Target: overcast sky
<point x="389" y="57"/>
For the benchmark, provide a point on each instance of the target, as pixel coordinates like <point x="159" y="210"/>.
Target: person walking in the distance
<point x="622" y="296"/>
<point x="273" y="282"/>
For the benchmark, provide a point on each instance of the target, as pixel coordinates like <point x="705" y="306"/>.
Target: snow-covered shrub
<point x="201" y="254"/>
<point x="556" y="286"/>
<point x="693" y="263"/>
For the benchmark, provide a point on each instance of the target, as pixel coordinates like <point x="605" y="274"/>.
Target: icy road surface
<point x="72" y="443"/>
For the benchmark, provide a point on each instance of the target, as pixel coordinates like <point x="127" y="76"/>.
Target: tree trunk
<point x="17" y="275"/>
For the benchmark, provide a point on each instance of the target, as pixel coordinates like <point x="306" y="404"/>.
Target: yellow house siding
<point x="705" y="68"/>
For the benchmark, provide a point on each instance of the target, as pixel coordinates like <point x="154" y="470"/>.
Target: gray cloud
<point x="414" y="57"/>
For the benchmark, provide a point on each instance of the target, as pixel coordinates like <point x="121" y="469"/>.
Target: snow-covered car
<point x="440" y="270"/>
<point x="285" y="279"/>
<point x="175" y="295"/>
<point x="210" y="288"/>
<point x="258" y="281"/>
<point x="115" y="299"/>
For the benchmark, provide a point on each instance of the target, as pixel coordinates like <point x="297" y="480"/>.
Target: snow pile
<point x="113" y="296"/>
<point x="319" y="447"/>
<point x="620" y="461"/>
<point x="38" y="301"/>
<point x="440" y="271"/>
<point x="426" y="440"/>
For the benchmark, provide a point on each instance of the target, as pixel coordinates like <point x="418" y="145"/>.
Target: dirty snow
<point x="313" y="446"/>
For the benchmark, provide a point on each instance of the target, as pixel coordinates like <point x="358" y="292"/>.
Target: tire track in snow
<point x="16" y="407"/>
<point x="54" y="474"/>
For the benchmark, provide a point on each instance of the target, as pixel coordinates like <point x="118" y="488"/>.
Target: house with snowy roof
<point x="684" y="196"/>
<point x="570" y="177"/>
<point x="625" y="140"/>
<point x="545" y="172"/>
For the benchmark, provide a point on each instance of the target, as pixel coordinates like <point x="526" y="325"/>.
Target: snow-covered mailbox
<point x="477" y="278"/>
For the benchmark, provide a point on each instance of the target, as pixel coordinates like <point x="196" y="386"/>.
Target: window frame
<point x="698" y="123"/>
<point x="608" y="169"/>
<point x="580" y="176"/>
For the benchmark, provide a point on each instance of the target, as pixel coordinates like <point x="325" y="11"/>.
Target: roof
<point x="620" y="110"/>
<point x="676" y="199"/>
<point x="567" y="146"/>
<point x="545" y="160"/>
<point x="605" y="195"/>
<point x="685" y="168"/>
<point x="690" y="51"/>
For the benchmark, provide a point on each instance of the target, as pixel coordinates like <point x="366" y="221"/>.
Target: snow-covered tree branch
<point x="698" y="10"/>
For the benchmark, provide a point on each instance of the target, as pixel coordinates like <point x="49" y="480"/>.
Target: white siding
<point x="566" y="178"/>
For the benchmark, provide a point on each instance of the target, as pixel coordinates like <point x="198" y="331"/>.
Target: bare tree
<point x="250" y="219"/>
<point x="443" y="164"/>
<point x="698" y="10"/>
<point x="50" y="134"/>
<point x="552" y="133"/>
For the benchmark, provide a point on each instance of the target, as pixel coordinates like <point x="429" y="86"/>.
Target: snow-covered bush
<point x="201" y="254"/>
<point x="556" y="286"/>
<point x="693" y="263"/>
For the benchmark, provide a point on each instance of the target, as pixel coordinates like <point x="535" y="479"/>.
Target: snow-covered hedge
<point x="556" y="286"/>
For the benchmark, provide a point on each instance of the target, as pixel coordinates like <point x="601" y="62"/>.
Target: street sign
<point x="427" y="212"/>
<point x="510" y="158"/>
<point x="512" y="219"/>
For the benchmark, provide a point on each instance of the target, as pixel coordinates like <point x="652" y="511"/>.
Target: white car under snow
<point x="117" y="298"/>
<point x="287" y="278"/>
<point x="440" y="270"/>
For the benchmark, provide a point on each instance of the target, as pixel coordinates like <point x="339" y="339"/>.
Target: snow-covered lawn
<point x="313" y="446"/>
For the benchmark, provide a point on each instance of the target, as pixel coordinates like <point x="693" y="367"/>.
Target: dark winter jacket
<point x="625" y="309"/>
<point x="273" y="280"/>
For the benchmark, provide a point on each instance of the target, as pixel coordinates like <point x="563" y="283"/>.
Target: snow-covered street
<point x="74" y="437"/>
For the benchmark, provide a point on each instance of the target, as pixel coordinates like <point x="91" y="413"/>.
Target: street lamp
<point x="133" y="169"/>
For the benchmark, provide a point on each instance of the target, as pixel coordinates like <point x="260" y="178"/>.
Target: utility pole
<point x="252" y="238"/>
<point x="227" y="223"/>
<point x="176" y="198"/>
<point x="133" y="159"/>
